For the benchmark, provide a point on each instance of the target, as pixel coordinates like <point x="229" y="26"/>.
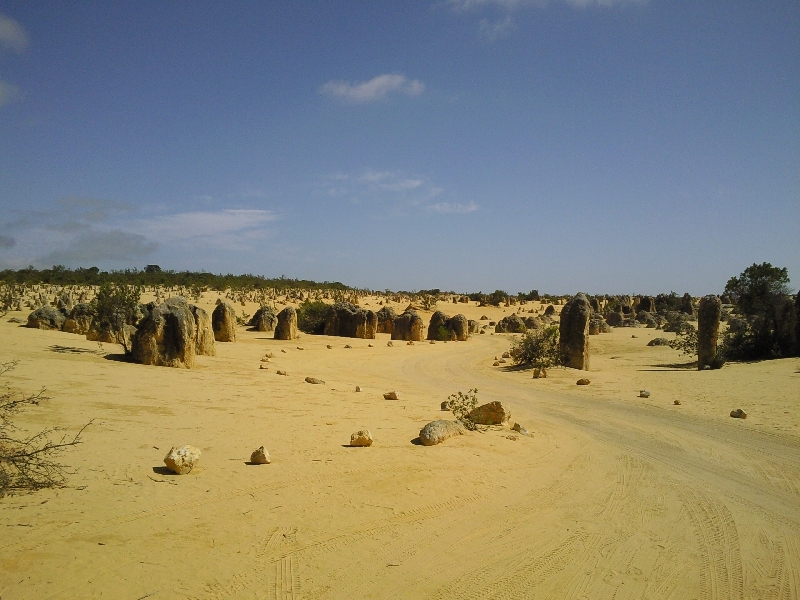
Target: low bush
<point x="311" y="316"/>
<point x="461" y="405"/>
<point x="538" y="348"/>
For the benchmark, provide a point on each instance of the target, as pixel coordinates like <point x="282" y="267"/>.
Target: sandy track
<point x="610" y="499"/>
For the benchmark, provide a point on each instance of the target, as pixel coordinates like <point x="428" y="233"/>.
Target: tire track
<point x="721" y="575"/>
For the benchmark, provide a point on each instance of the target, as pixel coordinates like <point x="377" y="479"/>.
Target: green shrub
<point x="685" y="341"/>
<point x="311" y="316"/>
<point x="461" y="405"/>
<point x="444" y="334"/>
<point x="538" y="348"/>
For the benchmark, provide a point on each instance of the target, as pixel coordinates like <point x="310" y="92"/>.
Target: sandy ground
<point x="613" y="496"/>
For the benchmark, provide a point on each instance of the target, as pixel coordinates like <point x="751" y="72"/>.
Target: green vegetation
<point x="537" y="348"/>
<point x="462" y="404"/>
<point x="153" y="276"/>
<point x="685" y="340"/>
<point x="762" y="296"/>
<point x="311" y="316"/>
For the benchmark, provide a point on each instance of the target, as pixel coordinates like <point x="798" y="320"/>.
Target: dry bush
<point x="461" y="405"/>
<point x="30" y="463"/>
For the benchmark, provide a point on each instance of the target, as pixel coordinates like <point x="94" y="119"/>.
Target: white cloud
<point x="508" y="5"/>
<point x="376" y="88"/>
<point x="203" y="224"/>
<point x="12" y="35"/>
<point x="9" y="93"/>
<point x="453" y="207"/>
<point x="494" y="30"/>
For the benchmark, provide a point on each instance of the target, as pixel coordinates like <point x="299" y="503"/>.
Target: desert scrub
<point x="461" y="404"/>
<point x="685" y="340"/>
<point x="537" y="348"/>
<point x="29" y="463"/>
<point x="311" y="316"/>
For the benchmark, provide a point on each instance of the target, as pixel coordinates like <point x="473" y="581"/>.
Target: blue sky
<point x="609" y="146"/>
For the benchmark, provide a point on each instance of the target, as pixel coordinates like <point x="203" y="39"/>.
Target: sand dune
<point x="613" y="496"/>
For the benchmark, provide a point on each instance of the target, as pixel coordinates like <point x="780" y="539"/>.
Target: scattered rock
<point x="329" y="347"/>
<point x="496" y="363"/>
<point x="314" y="380"/>
<point x="738" y="414"/>
<point x="263" y="367"/>
<point x="390" y="395"/>
<point x="389" y="343"/>
<point x="265" y="360"/>
<point x="583" y="381"/>
<point x="539" y="373"/>
<point x="436" y="432"/>
<point x="644" y="394"/>
<point x="411" y="343"/>
<point x="16" y="320"/>
<point x="347" y="346"/>
<point x="358" y="388"/>
<point x="502" y="361"/>
<point x="361" y="438"/>
<point x="260" y="456"/>
<point x="520" y="429"/>
<point x="484" y="318"/>
<point x="279" y="372"/>
<point x="445" y="405"/>
<point x="506" y="355"/>
<point x="300" y="348"/>
<point x="493" y="413"/>
<point x="182" y="460"/>
<point x="676" y="402"/>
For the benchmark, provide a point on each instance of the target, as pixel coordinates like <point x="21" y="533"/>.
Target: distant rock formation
<point x="46" y="317"/>
<point x="204" y="332"/>
<point x="385" y="319"/>
<point x="347" y="320"/>
<point x="510" y="324"/>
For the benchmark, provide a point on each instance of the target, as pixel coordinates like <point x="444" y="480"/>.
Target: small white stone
<point x="260" y="456"/>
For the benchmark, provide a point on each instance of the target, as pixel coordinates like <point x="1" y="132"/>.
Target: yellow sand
<point x="613" y="496"/>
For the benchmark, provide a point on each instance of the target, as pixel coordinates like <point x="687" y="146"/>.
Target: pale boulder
<point x="182" y="460"/>
<point x="361" y="438"/>
<point x="436" y="432"/>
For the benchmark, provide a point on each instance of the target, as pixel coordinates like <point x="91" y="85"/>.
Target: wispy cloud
<point x="376" y="88"/>
<point x="9" y="93"/>
<point x="494" y="30"/>
<point x="453" y="208"/>
<point x="83" y="231"/>
<point x="12" y="34"/>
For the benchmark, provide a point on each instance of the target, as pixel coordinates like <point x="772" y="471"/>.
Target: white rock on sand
<point x="436" y="432"/>
<point x="182" y="460"/>
<point x="361" y="438"/>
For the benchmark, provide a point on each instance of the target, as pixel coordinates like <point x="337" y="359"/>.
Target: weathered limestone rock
<point x="223" y="320"/>
<point x="408" y="326"/>
<point x="385" y="319"/>
<point x="204" y="332"/>
<point x="79" y="320"/>
<point x="738" y="414"/>
<point x="583" y="381"/>
<point x="646" y="304"/>
<point x="445" y="405"/>
<point x="286" y="329"/>
<point x="493" y="413"/>
<point x="314" y="380"/>
<point x="265" y="319"/>
<point x="459" y="325"/>
<point x="46" y="317"/>
<point x="644" y="394"/>
<point x="540" y="373"/>
<point x="550" y="310"/>
<point x="182" y="460"/>
<point x="574" y="333"/>
<point x="438" y="322"/>
<point x="436" y="432"/>
<point x="510" y="324"/>
<point x="658" y="342"/>
<point x="65" y="302"/>
<point x="347" y="320"/>
<point x="686" y="304"/>
<point x="260" y="456"/>
<point x="167" y="336"/>
<point x="361" y="438"/>
<point x="473" y="326"/>
<point x="391" y="395"/>
<point x="520" y="429"/>
<point x="708" y="315"/>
